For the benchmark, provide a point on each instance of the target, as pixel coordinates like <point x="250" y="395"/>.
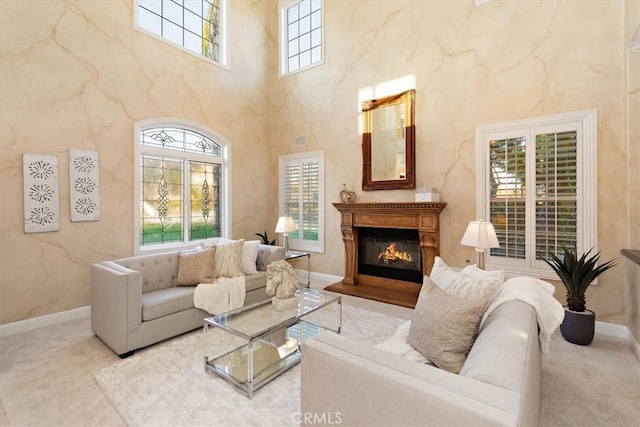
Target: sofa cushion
<point x="255" y="281"/>
<point x="166" y="301"/>
<point x="196" y="267"/>
<point x="444" y="327"/>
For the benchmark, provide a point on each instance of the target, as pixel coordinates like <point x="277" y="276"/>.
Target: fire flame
<point x="393" y="254"/>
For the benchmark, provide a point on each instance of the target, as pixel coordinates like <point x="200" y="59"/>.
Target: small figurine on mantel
<point x="347" y="196"/>
<point x="282" y="283"/>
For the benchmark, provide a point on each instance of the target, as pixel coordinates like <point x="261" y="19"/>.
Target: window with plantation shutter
<point x="537" y="185"/>
<point x="302" y="198"/>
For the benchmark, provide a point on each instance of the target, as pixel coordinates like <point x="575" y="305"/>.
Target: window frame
<point x="585" y="122"/>
<point x="224" y="39"/>
<point x="224" y="160"/>
<point x="283" y="7"/>
<point x="309" y="156"/>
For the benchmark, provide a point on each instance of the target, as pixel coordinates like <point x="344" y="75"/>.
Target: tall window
<point x="196" y="25"/>
<point x="182" y="187"/>
<point x="302" y="198"/>
<point x="300" y="34"/>
<point x="537" y="185"/>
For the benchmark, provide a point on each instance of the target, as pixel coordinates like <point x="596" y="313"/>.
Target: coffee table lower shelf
<point x="267" y="365"/>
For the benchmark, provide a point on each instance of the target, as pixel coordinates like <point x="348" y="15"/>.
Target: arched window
<point x="182" y="185"/>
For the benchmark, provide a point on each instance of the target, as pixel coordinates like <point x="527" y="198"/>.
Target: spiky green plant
<point x="577" y="274"/>
<point x="265" y="239"/>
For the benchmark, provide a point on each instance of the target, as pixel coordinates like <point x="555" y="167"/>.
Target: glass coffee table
<point x="272" y="339"/>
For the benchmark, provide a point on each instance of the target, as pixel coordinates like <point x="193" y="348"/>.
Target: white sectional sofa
<point x="499" y="384"/>
<point x="135" y="303"/>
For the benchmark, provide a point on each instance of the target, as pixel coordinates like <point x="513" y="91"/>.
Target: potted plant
<point x="576" y="274"/>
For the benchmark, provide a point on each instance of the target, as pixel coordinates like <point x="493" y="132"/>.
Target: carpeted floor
<point x="167" y="386"/>
<point x="47" y="379"/>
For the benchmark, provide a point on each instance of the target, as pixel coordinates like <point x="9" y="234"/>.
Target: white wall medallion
<point x="84" y="185"/>
<point x="41" y="205"/>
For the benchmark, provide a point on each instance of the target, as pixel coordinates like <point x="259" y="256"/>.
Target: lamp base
<point x="480" y="254"/>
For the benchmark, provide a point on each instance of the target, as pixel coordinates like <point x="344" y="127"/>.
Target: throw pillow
<point x="478" y="273"/>
<point x="195" y="267"/>
<point x="465" y="286"/>
<point x="228" y="259"/>
<point x="249" y="255"/>
<point x="444" y="327"/>
<point x="441" y="274"/>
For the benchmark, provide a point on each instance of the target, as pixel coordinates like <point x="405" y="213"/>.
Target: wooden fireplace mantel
<point x="423" y="217"/>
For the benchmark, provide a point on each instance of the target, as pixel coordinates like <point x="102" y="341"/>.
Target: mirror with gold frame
<point x="388" y="143"/>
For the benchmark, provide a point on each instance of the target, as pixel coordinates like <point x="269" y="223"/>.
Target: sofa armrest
<point x="116" y="303"/>
<point x="337" y="370"/>
<point x="267" y="254"/>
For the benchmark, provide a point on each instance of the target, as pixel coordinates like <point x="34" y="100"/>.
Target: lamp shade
<point x="481" y="235"/>
<point x="285" y="224"/>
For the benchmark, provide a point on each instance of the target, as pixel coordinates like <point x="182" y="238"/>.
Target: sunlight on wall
<point x="388" y="88"/>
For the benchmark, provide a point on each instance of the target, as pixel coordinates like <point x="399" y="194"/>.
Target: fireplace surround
<point x="356" y="221"/>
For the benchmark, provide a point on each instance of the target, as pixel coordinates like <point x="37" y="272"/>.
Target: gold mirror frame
<point x="404" y="104"/>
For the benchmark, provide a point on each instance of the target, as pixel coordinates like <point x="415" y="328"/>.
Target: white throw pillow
<point x="249" y="256"/>
<point x="228" y="259"/>
<point x="441" y="274"/>
<point x="465" y="286"/>
<point x="478" y="273"/>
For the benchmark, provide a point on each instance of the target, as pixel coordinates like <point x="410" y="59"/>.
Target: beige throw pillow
<point x="196" y="267"/>
<point x="228" y="259"/>
<point x="444" y="327"/>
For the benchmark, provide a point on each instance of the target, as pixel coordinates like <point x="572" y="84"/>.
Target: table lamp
<point x="285" y="226"/>
<point x="481" y="235"/>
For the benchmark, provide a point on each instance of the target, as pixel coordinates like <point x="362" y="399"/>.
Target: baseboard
<point x="619" y="331"/>
<point x="44" y="321"/>
<point x="322" y="277"/>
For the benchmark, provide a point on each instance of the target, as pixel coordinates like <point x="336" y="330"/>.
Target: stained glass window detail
<point x="181" y="186"/>
<point x="196" y="25"/>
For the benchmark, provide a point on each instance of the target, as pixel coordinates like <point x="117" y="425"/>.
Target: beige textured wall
<point x="632" y="289"/>
<point x="75" y="74"/>
<point x="80" y="77"/>
<point x="497" y="62"/>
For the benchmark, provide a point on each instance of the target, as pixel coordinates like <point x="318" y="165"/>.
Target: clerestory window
<point x="182" y="190"/>
<point x="536" y="183"/>
<point x="301" y="35"/>
<point x="195" y="25"/>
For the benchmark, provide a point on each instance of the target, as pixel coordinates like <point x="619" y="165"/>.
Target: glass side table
<point x="295" y="255"/>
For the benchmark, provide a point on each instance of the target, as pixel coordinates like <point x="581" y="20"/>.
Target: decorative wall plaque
<point x="84" y="185"/>
<point x="41" y="205"/>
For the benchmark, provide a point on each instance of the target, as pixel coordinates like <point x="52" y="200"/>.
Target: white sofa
<point x="135" y="303"/>
<point x="499" y="384"/>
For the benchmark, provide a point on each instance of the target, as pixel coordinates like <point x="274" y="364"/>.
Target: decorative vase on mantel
<point x="347" y="196"/>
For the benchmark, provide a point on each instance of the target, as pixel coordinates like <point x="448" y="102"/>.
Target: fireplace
<point x="390" y="253"/>
<point x="389" y="247"/>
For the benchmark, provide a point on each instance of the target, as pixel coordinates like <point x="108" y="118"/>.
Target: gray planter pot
<point x="578" y="327"/>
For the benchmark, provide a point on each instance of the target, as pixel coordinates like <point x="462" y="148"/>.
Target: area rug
<point x="167" y="385"/>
